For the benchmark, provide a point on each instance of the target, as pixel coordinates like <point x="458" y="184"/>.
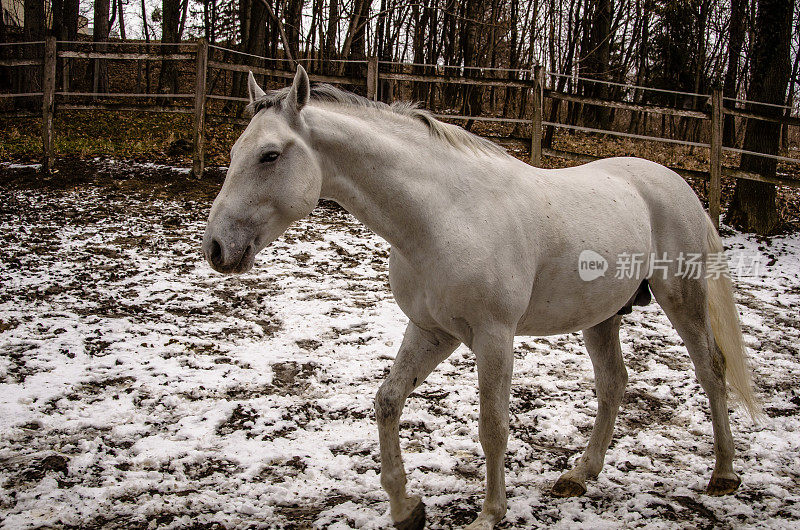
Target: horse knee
<point x="388" y="403"/>
<point x="611" y="383"/>
<point x="493" y="431"/>
<point x="619" y="381"/>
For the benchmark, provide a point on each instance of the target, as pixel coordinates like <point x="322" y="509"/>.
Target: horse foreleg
<point x="419" y="354"/>
<point x="494" y="354"/>
<point x="610" y="378"/>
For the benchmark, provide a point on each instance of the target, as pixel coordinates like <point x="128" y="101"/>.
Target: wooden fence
<point x="533" y="80"/>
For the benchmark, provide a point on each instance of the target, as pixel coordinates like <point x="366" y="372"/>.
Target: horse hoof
<point x="480" y="524"/>
<point x="723" y="485"/>
<point x="566" y="487"/>
<point x="415" y="521"/>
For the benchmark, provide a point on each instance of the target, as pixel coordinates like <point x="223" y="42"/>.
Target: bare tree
<point x="170" y="33"/>
<point x="573" y="33"/>
<point x="329" y="50"/>
<point x="99" y="69"/>
<point x="753" y="207"/>
<point x="730" y="84"/>
<point x="121" y="10"/>
<point x="473" y="94"/>
<point x="253" y="32"/>
<point x="420" y="14"/>
<point x="292" y="16"/>
<point x="5" y="77"/>
<point x="595" y="59"/>
<point x="355" y="42"/>
<point x="33" y="30"/>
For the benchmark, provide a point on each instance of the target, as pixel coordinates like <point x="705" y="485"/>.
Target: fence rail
<point x="527" y="79"/>
<point x="126" y="56"/>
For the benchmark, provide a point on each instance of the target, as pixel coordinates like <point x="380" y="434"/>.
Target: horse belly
<point x="564" y="307"/>
<point x="595" y="268"/>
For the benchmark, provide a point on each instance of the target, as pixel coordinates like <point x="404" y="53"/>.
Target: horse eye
<point x="270" y="156"/>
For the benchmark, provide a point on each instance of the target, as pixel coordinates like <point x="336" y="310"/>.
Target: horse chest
<point x="413" y="289"/>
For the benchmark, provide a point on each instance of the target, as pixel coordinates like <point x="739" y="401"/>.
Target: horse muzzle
<point x="229" y="255"/>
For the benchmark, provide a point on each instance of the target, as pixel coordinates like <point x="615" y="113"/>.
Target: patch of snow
<point x="160" y="390"/>
<point x="12" y="165"/>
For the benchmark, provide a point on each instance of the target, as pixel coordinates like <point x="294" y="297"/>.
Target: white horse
<point x="484" y="248"/>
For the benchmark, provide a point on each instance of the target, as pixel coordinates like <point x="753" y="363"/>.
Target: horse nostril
<point x="215" y="256"/>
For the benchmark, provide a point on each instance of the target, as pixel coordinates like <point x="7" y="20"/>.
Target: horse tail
<point x="726" y="326"/>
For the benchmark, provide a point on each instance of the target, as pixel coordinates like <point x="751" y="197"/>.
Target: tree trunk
<point x="208" y="31"/>
<point x="64" y="15"/>
<point x="596" y="56"/>
<point x="513" y="58"/>
<point x="34" y="30"/>
<point x="58" y="30"/>
<point x="732" y="72"/>
<point x="99" y="70"/>
<point x="420" y="89"/>
<point x="330" y="38"/>
<point x="146" y="32"/>
<point x="573" y="31"/>
<point x="790" y="96"/>
<point x="383" y="51"/>
<point x="5" y="72"/>
<point x="355" y="43"/>
<point x="122" y="34"/>
<point x="450" y="40"/>
<point x="57" y="17"/>
<point x="294" y="11"/>
<point x="643" y="12"/>
<point x="753" y="207"/>
<point x="311" y="38"/>
<point x="380" y="31"/>
<point x="253" y="31"/>
<point x="170" y="24"/>
<point x="492" y="51"/>
<point x="71" y="9"/>
<point x="256" y="43"/>
<point x="113" y="15"/>
<point x="183" y="18"/>
<point x="473" y="94"/>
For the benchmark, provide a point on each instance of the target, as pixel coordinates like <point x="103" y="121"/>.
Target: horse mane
<point x="451" y="134"/>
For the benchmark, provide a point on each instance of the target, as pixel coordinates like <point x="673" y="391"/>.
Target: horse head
<point x="273" y="179"/>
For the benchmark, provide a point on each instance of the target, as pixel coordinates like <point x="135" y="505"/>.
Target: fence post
<point x="715" y="171"/>
<point x="48" y="103"/>
<point x="536" y="123"/>
<point x="372" y="78"/>
<point x="65" y="74"/>
<point x="199" y="139"/>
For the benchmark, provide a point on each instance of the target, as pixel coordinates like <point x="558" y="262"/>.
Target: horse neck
<point x="379" y="172"/>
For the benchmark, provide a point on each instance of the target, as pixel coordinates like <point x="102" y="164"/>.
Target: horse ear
<point x="300" y="91"/>
<point x="253" y="90"/>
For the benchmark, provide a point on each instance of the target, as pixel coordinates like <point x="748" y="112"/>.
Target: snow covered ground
<point x="139" y="389"/>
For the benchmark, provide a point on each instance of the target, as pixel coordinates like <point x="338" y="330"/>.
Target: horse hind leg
<point x="602" y="343"/>
<point x="685" y="303"/>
